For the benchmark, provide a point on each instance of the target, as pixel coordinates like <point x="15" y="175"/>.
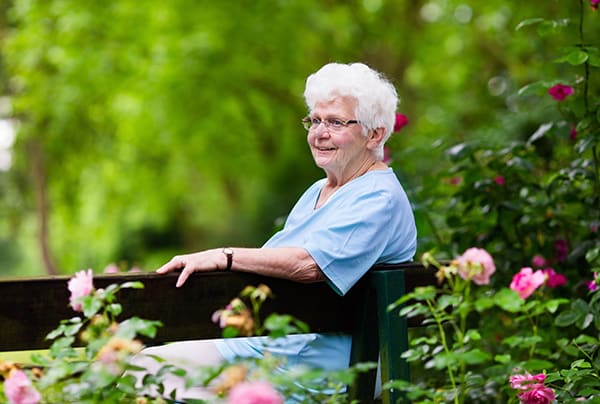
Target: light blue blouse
<point x="367" y="221"/>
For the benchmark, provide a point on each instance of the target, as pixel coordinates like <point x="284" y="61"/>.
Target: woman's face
<point x="338" y="151"/>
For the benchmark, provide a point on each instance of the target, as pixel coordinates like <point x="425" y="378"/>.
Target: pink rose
<point x="454" y="180"/>
<point x="593" y="284"/>
<point x="112" y="269"/>
<point x="499" y="180"/>
<point x="560" y="91"/>
<point x="476" y="264"/>
<point x="401" y="121"/>
<point x="19" y="390"/>
<point x="81" y="285"/>
<point x="539" y="394"/>
<point x="538" y="261"/>
<point x="526" y="282"/>
<point x="554" y="279"/>
<point x="526" y="380"/>
<point x="573" y="133"/>
<point x="254" y="393"/>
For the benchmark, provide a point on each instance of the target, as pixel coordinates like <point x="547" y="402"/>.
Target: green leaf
<point x="472" y="335"/>
<point x="508" y="300"/>
<point x="552" y="305"/>
<point x="575" y="57"/>
<point x="535" y="88"/>
<point x="476" y="356"/>
<point x="585" y="321"/>
<point x="115" y="309"/>
<point x="230" y="332"/>
<point x="540" y="132"/>
<point x="548" y="27"/>
<point x="566" y="318"/>
<point x="580" y="364"/>
<point x="132" y="285"/>
<point x="504" y="358"/>
<point x="91" y="305"/>
<point x="460" y="151"/>
<point x="130" y="328"/>
<point x="528" y="22"/>
<point x="538" y="364"/>
<point x="483" y="303"/>
<point x="72" y="329"/>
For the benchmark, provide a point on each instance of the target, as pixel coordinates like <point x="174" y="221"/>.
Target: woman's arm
<point x="291" y="263"/>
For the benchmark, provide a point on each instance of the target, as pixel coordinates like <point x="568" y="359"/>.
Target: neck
<point x="336" y="181"/>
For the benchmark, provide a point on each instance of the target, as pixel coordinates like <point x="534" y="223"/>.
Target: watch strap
<point x="229" y="254"/>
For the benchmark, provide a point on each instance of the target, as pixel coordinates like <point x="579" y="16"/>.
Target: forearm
<point x="282" y="262"/>
<point x="291" y="263"/>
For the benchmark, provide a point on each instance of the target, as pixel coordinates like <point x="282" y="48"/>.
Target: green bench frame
<point x="32" y="307"/>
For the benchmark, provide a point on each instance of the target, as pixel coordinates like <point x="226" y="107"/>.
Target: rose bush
<point x="103" y="371"/>
<point x="534" y="204"/>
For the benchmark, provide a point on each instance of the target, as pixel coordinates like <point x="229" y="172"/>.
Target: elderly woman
<point x="355" y="217"/>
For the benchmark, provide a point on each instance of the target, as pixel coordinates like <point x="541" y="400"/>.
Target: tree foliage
<point x="168" y="127"/>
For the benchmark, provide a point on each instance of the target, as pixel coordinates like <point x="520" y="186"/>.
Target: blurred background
<point x="131" y="131"/>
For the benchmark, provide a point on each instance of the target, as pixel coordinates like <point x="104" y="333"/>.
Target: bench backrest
<point x="32" y="307"/>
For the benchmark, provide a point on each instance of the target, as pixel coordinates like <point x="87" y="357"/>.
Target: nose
<point x="320" y="130"/>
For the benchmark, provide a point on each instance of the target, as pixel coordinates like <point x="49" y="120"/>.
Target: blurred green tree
<point x="145" y="131"/>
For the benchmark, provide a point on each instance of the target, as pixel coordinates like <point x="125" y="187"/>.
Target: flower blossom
<point x="538" y="261"/>
<point x="560" y="91"/>
<point x="81" y="285"/>
<point x="526" y="380"/>
<point x="593" y="284"/>
<point x="457" y="179"/>
<point x="539" y="394"/>
<point x="229" y="378"/>
<point x="594" y="4"/>
<point x="401" y="121"/>
<point x="499" y="180"/>
<point x="19" y="390"/>
<point x="235" y="315"/>
<point x="553" y="279"/>
<point x="477" y="265"/>
<point x="532" y="389"/>
<point x="526" y="281"/>
<point x="573" y="133"/>
<point x="111" y="268"/>
<point x="254" y="393"/>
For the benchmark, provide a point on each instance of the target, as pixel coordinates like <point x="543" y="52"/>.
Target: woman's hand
<point x="203" y="261"/>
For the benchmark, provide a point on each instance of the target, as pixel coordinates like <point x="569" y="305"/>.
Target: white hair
<point x="376" y="97"/>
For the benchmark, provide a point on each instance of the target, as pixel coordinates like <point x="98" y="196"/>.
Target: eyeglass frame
<point x="330" y="123"/>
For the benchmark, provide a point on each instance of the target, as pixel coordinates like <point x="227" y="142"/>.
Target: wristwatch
<point x="229" y="253"/>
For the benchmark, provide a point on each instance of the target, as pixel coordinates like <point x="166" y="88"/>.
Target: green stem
<point x="463" y="330"/>
<point x="438" y="321"/>
<point x="534" y="328"/>
<point x="586" y="79"/>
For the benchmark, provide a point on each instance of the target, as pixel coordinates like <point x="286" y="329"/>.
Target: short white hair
<point x="376" y="97"/>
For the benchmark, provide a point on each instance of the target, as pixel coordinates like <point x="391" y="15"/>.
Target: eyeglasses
<point x="330" y="123"/>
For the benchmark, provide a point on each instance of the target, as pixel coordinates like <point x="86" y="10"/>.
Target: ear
<point x="375" y="137"/>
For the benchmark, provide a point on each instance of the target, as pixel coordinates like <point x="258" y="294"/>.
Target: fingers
<point x="182" y="278"/>
<point x="173" y="265"/>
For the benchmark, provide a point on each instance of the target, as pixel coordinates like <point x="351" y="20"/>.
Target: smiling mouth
<point x="325" y="148"/>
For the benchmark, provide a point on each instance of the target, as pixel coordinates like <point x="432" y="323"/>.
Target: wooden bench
<point x="32" y="307"/>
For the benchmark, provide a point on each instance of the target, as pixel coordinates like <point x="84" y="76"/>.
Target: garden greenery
<point x="514" y="235"/>
<point x="532" y="333"/>
<point x="102" y="371"/>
